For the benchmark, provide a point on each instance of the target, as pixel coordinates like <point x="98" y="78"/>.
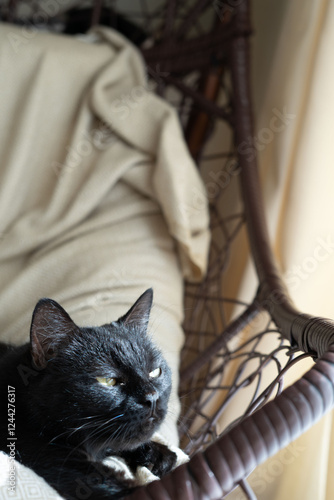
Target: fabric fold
<point x="98" y="193"/>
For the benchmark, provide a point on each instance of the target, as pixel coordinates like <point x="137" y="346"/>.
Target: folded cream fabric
<point x="99" y="199"/>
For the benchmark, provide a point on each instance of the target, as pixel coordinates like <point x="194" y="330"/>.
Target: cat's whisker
<point x="182" y="425"/>
<point x="66" y="432"/>
<point x="101" y="427"/>
<point x="91" y="416"/>
<point x="86" y="425"/>
<point x="113" y="436"/>
<point x="58" y="436"/>
<point x="92" y="424"/>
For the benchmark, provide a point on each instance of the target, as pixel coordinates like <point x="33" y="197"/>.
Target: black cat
<point x="82" y="394"/>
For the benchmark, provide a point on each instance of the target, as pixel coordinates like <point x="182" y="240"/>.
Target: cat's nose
<point x="151" y="398"/>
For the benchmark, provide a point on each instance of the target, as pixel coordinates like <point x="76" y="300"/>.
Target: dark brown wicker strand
<point x="233" y="456"/>
<point x="233" y="329"/>
<point x="249" y="494"/>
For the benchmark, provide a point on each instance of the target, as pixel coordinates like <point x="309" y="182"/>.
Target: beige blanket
<point x="99" y="198"/>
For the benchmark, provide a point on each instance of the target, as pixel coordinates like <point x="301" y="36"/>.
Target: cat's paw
<point x="165" y="460"/>
<point x="156" y="457"/>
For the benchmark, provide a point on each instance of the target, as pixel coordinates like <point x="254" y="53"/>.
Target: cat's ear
<point x="51" y="327"/>
<point x="139" y="314"/>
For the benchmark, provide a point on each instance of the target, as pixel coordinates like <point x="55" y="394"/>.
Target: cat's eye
<point x="108" y="381"/>
<point x="155" y="373"/>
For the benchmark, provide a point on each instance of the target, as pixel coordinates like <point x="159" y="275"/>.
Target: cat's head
<point x="102" y="387"/>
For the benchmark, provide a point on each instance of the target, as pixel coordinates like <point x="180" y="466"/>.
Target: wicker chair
<point x="199" y="58"/>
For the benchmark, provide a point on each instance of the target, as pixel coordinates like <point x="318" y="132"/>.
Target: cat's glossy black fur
<point x="66" y="420"/>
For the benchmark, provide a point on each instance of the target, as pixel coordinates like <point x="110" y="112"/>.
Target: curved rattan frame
<point x="226" y="463"/>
